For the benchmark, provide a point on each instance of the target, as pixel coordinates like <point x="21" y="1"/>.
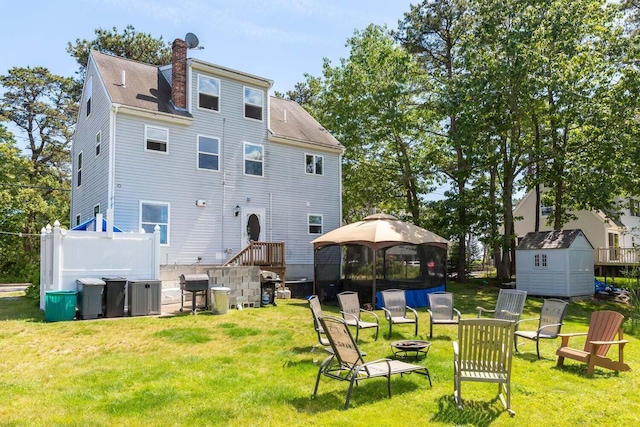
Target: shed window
<point x="540" y="260"/>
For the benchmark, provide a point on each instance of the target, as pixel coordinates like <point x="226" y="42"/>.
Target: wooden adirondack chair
<point x="441" y="310"/>
<point x="483" y="353"/>
<point x="351" y="312"/>
<point x="603" y="327"/>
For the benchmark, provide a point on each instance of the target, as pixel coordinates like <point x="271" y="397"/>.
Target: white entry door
<point x="253" y="225"/>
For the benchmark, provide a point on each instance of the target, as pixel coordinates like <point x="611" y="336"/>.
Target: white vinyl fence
<point x="67" y="255"/>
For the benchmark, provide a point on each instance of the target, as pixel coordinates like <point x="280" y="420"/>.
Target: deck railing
<point x="267" y="255"/>
<point x="616" y="256"/>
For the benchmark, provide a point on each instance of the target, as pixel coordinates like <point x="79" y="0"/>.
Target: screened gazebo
<point x="381" y="252"/>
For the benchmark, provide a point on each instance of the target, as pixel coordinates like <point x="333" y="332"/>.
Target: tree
<point x="369" y="103"/>
<point x="130" y="44"/>
<point x="432" y="30"/>
<point x="40" y="105"/>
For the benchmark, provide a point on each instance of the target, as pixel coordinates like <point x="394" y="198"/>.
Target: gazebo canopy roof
<point x="380" y="231"/>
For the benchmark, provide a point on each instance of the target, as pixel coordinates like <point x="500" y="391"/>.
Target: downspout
<point x="223" y="166"/>
<point x="112" y="156"/>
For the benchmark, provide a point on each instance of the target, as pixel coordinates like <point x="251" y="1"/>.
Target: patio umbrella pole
<point x="373" y="287"/>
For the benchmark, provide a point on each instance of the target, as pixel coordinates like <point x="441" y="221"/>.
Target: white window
<point x="87" y="94"/>
<point x="315" y="223"/>
<point x="208" y="153"/>
<point x="152" y="214"/>
<point x="156" y="139"/>
<point x="98" y="141"/>
<point x="79" y="170"/>
<point x="314" y="164"/>
<point x="253" y="102"/>
<point x="540" y="260"/>
<point x="208" y="93"/>
<point x="253" y="159"/>
<point x="96" y="211"/>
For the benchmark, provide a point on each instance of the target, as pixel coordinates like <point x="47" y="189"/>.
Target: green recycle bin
<point x="60" y="305"/>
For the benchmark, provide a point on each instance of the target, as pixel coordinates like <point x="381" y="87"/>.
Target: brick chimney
<point x="179" y="74"/>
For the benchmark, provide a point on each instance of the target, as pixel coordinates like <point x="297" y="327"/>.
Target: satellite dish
<point x="192" y="40"/>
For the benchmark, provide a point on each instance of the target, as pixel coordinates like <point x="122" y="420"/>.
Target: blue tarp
<point x="415" y="297"/>
<point x="603" y="287"/>
<point x="87" y="223"/>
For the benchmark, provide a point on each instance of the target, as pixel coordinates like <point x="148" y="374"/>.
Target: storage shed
<point x="555" y="263"/>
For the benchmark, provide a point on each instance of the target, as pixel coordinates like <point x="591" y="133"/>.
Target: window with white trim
<point x="152" y="214"/>
<point x="98" y="141"/>
<point x="634" y="207"/>
<point x="208" y="153"/>
<point x="208" y="93"/>
<point x="253" y="103"/>
<point x="315" y="223"/>
<point x="540" y="260"/>
<point x="88" y="93"/>
<point x="156" y="139"/>
<point x="314" y="164"/>
<point x="253" y="159"/>
<point x="79" y="170"/>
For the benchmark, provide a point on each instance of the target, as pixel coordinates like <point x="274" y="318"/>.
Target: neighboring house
<point x="555" y="263"/>
<point x="204" y="152"/>
<point x="601" y="230"/>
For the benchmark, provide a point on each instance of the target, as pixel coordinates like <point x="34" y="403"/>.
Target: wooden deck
<point x="267" y="255"/>
<point x="613" y="261"/>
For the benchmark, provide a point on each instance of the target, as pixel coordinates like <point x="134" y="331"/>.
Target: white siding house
<point x="555" y="263"/>
<point x="204" y="152"/>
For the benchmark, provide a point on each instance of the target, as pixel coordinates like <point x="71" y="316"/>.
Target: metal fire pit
<point x="194" y="283"/>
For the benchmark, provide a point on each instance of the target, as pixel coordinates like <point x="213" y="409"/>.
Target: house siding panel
<point x="94" y="188"/>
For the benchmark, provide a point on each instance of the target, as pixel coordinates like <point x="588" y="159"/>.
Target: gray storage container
<point x="220" y="299"/>
<point x="144" y="297"/>
<point x="90" y="298"/>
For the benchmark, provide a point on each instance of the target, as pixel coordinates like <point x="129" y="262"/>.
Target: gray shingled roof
<point x="549" y="239"/>
<point x="147" y="89"/>
<point x="299" y="124"/>
<point x="144" y="88"/>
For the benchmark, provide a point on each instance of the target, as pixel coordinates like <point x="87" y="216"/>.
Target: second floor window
<point x="208" y="93"/>
<point x="253" y="103"/>
<point x="208" y="153"/>
<point x="314" y="164"/>
<point x="253" y="159"/>
<point x="634" y="207"/>
<point x="156" y="138"/>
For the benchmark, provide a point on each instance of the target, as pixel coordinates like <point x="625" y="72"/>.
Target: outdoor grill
<point x="194" y="283"/>
<point x="269" y="281"/>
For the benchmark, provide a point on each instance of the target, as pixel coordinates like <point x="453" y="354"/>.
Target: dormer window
<point x="208" y="93"/>
<point x="253" y="101"/>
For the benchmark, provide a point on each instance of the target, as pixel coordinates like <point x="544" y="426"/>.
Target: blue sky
<point x="276" y="39"/>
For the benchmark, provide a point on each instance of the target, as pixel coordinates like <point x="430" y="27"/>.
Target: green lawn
<point x="255" y="367"/>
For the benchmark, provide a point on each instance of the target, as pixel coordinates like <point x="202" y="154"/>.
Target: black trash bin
<point x="113" y="296"/>
<point x="90" y="298"/>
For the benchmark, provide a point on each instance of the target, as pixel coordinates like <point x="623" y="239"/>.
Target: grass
<point x="255" y="368"/>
